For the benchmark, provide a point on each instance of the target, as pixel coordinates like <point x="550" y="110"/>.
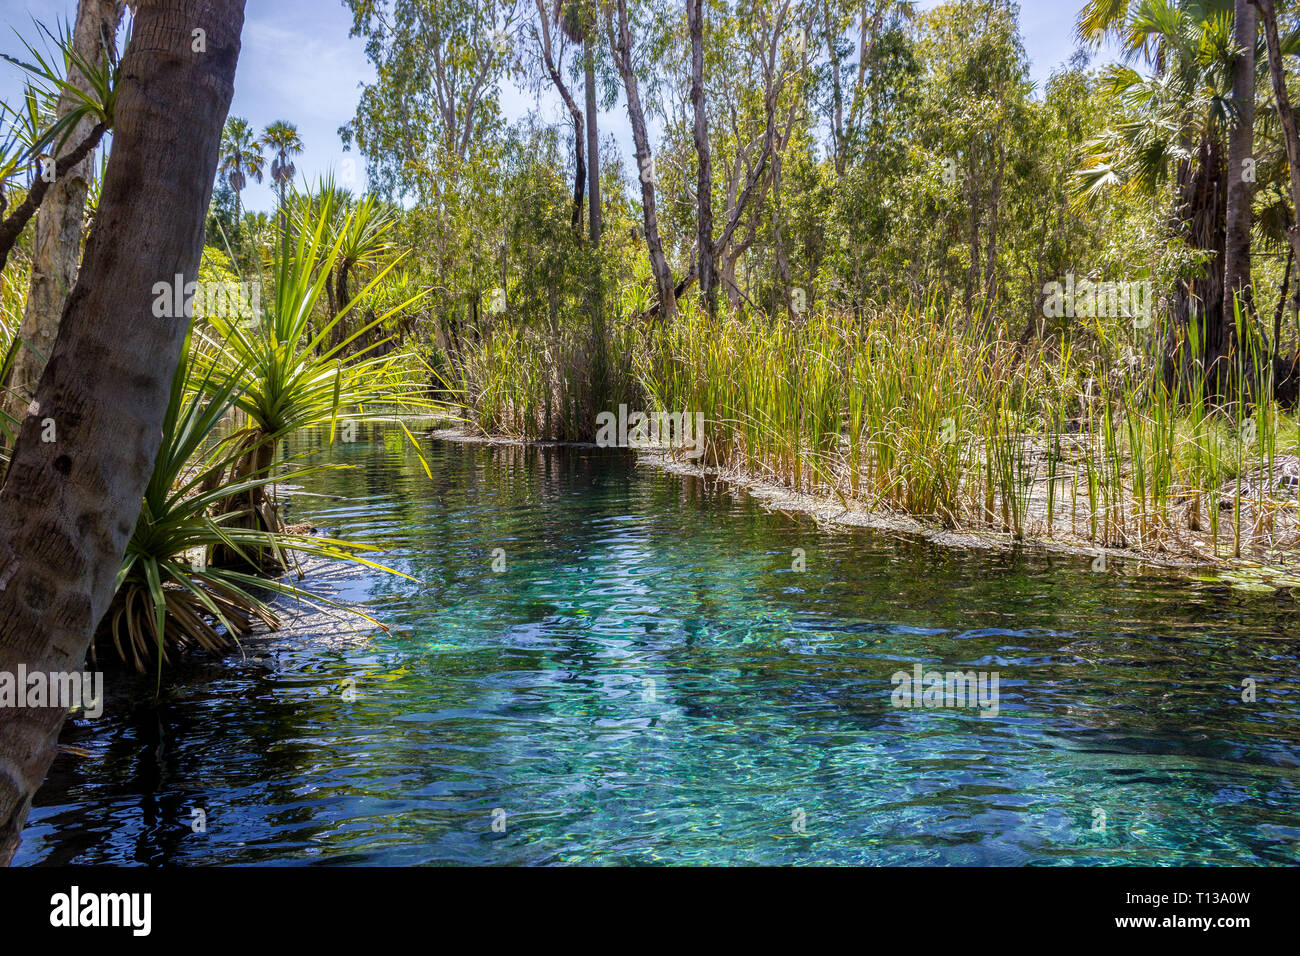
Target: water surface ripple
<point x="649" y="681"/>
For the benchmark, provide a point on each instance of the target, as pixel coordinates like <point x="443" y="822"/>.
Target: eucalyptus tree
<point x="754" y="62"/>
<point x="975" y="111"/>
<point x="867" y="93"/>
<point x="854" y="94"/>
<point x="436" y="97"/>
<point x="68" y="507"/>
<point x="580" y="23"/>
<point x="551" y="50"/>
<point x="430" y="129"/>
<point x="622" y="44"/>
<point x="704" y="161"/>
<point x="56" y="237"/>
<point x="762" y="90"/>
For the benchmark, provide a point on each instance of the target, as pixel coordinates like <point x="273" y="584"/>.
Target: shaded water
<point x="648" y="680"/>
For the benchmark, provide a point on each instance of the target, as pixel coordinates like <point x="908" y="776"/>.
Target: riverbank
<point x="1185" y="551"/>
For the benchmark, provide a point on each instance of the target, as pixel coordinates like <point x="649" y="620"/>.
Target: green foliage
<point x="93" y="99"/>
<point x="289" y="377"/>
<point x="169" y="596"/>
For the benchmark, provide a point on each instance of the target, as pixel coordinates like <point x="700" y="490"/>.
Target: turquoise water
<point x="649" y="681"/>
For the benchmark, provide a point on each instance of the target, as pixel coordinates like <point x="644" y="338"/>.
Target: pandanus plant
<point x="364" y="240"/>
<point x="169" y="595"/>
<point x="11" y="311"/>
<point x="288" y="374"/>
<point x="53" y="146"/>
<point x="24" y="130"/>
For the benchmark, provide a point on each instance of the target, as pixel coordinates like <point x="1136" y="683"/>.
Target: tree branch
<point x="12" y="227"/>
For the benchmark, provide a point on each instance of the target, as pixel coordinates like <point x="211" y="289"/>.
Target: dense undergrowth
<point x="913" y="411"/>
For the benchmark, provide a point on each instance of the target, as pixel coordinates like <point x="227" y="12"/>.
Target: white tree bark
<point x="56" y="237"/>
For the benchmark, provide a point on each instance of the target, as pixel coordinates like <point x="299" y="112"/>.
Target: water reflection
<point x="648" y="680"/>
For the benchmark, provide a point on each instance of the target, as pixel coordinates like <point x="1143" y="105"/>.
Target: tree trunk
<point x="991" y="239"/>
<point x="238" y="238"/>
<point x="780" y="258"/>
<point x="1268" y="14"/>
<point x="575" y="114"/>
<point x="621" y="47"/>
<point x="837" y="90"/>
<point x="579" y="169"/>
<point x="972" y="235"/>
<point x="1275" y="347"/>
<point x="69" y="506"/>
<point x="342" y="299"/>
<point x="595" y="224"/>
<point x="1199" y="218"/>
<point x="773" y="84"/>
<point x="704" y="182"/>
<point x="284" y="225"/>
<point x="253" y="507"/>
<point x="593" y="139"/>
<point x="56" y="239"/>
<point x="1241" y="147"/>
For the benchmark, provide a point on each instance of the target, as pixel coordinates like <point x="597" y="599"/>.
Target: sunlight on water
<point x="648" y="680"/>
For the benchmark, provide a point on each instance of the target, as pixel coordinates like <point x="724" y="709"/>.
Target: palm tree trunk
<point x="56" y="239"/>
<point x="69" y="506"/>
<point x="239" y="225"/>
<point x="284" y="224"/>
<point x="342" y="298"/>
<point x="1276" y="345"/>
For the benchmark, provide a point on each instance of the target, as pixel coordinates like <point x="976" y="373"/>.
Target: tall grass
<point x="522" y="381"/>
<point x="920" y="412"/>
<point x="899" y="409"/>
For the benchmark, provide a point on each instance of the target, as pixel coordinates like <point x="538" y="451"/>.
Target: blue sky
<point x="298" y="63"/>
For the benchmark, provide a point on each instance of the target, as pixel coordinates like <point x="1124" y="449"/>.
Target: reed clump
<point x="921" y="412"/>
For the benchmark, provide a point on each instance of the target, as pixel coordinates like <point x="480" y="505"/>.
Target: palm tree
<point x="1178" y="121"/>
<point x="1241" y="151"/>
<point x="67" y="509"/>
<point x="1285" y="115"/>
<point x="241" y="158"/>
<point x="283" y="140"/>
